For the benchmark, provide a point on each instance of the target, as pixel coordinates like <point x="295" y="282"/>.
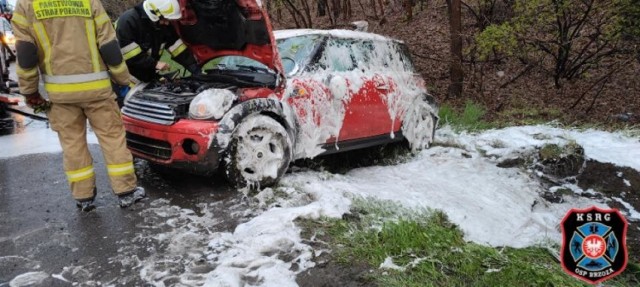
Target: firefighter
<point x="144" y="31"/>
<point x="72" y="45"/>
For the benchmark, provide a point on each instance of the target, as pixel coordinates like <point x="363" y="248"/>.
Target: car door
<point x="352" y="81"/>
<point x="318" y="115"/>
<point x="398" y="77"/>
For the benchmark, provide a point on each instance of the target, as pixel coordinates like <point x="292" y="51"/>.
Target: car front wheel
<point x="259" y="153"/>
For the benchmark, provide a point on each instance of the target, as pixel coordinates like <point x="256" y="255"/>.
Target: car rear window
<point x="367" y="55"/>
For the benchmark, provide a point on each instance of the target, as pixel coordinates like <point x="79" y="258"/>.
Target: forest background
<point x="503" y="62"/>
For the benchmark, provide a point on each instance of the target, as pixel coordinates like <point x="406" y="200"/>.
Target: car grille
<point x="148" y="111"/>
<point x="148" y="146"/>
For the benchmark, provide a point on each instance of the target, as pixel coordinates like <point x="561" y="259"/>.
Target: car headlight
<point x="134" y="90"/>
<point x="9" y="39"/>
<point x="211" y="104"/>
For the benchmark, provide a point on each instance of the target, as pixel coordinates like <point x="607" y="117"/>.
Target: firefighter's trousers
<point x="69" y="121"/>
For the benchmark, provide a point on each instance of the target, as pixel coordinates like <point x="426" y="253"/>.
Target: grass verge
<point x="428" y="250"/>
<point x="469" y="118"/>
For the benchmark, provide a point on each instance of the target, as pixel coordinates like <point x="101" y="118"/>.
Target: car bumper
<point x="187" y="145"/>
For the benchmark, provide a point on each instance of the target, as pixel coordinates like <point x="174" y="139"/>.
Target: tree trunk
<point x="336" y="9"/>
<point x="375" y="10"/>
<point x="455" y="67"/>
<point x="322" y="8"/>
<point x="408" y="9"/>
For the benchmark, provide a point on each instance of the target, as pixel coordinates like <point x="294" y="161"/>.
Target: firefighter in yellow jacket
<point x="72" y="45"/>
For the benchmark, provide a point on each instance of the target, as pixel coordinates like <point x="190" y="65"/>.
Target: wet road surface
<point x="41" y="230"/>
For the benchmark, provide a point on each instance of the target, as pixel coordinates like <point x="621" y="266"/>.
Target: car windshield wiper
<point x="254" y="68"/>
<point x="217" y="74"/>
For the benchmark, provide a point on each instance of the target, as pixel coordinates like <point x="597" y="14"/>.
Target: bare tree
<point x="302" y="18"/>
<point x="408" y="9"/>
<point x="322" y="8"/>
<point x="455" y="66"/>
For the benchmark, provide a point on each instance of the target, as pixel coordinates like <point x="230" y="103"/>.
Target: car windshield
<point x="299" y="49"/>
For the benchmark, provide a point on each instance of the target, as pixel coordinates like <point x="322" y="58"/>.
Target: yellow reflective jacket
<point x="74" y="42"/>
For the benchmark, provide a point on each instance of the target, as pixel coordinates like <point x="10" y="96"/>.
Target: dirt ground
<point x="328" y="273"/>
<point x="609" y="180"/>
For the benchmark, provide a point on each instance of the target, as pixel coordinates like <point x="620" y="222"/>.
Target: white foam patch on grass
<point x="389" y="264"/>
<point x="491" y="205"/>
<point x="631" y="212"/>
<point x="616" y="148"/>
<point x="253" y="250"/>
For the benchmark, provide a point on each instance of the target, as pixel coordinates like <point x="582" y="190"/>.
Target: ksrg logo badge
<point x="594" y="243"/>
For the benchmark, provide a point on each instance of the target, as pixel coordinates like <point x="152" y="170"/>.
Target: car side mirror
<point x="290" y="65"/>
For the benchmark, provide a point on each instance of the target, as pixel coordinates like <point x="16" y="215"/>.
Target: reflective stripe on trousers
<point x="120" y="169"/>
<point x="80" y="174"/>
<point x="70" y="120"/>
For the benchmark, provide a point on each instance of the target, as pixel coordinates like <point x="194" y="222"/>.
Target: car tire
<point x="419" y="125"/>
<point x="258" y="154"/>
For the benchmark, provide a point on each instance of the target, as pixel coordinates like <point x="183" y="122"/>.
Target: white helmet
<point x="168" y="9"/>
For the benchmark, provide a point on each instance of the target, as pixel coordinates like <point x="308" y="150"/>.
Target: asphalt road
<point x="41" y="230"/>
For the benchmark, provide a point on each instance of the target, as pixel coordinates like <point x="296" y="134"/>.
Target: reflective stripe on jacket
<point x="75" y="43"/>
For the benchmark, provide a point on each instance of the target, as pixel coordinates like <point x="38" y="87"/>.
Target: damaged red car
<point x="267" y="98"/>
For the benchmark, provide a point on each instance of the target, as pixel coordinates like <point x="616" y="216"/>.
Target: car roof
<point x="337" y="33"/>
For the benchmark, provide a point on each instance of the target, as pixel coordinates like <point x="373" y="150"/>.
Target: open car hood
<point x="214" y="28"/>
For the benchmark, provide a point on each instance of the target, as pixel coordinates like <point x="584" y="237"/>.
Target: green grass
<point x="434" y="253"/>
<point x="470" y="118"/>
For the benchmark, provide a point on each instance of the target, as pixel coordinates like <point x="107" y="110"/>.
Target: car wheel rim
<point x="418" y="126"/>
<point x="261" y="154"/>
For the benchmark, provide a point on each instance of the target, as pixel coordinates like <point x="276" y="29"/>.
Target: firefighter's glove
<point x="122" y="91"/>
<point x="162" y="66"/>
<point x="37" y="103"/>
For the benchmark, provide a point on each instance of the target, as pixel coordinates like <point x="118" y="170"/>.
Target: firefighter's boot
<point x="131" y="197"/>
<point x="85" y="205"/>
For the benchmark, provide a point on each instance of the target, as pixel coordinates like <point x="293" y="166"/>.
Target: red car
<point x="266" y="98"/>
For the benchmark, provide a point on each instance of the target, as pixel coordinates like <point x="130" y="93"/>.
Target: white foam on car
<point x="216" y="101"/>
<point x="271" y="153"/>
<point x="321" y="115"/>
<point x="337" y="33"/>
